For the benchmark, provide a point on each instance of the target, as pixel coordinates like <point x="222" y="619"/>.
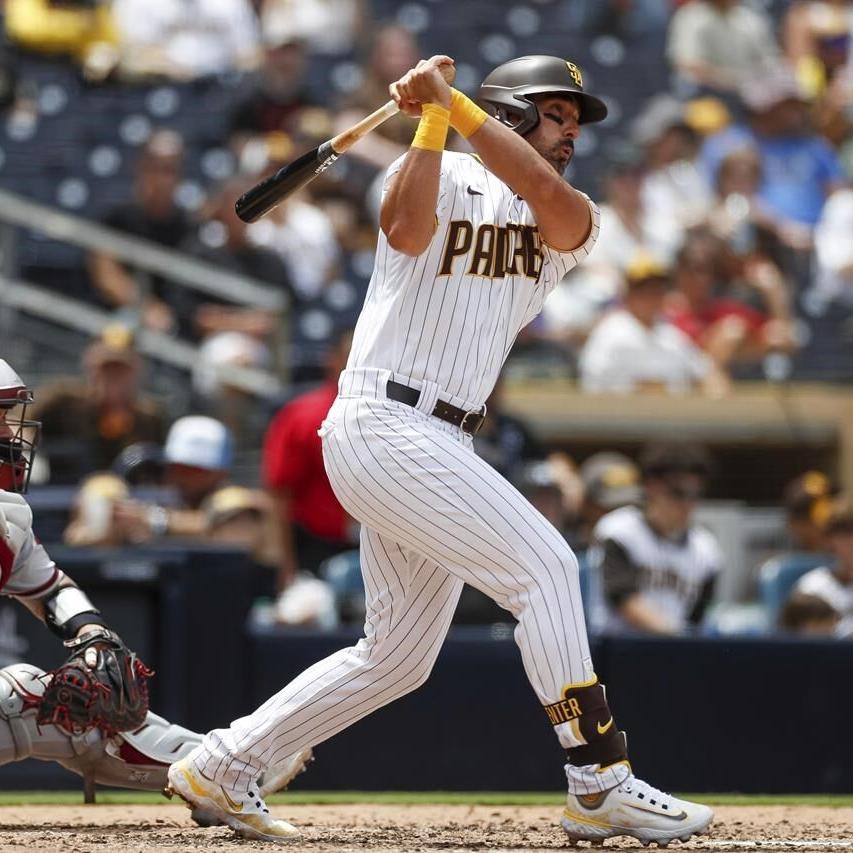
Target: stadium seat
<point x="776" y="579"/>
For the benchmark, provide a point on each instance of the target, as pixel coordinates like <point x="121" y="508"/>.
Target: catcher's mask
<point x="507" y="92"/>
<point x="16" y="450"/>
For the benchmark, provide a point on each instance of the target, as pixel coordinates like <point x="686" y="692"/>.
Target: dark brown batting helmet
<point x="506" y="92"/>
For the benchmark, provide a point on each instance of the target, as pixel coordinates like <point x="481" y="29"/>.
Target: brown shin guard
<point x="585" y="708"/>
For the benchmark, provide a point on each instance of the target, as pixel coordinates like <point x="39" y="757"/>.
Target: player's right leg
<point x="417" y="481"/>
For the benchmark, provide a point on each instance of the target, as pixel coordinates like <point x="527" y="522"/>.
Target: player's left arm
<point x="102" y="684"/>
<point x="34" y="579"/>
<point x="563" y="215"/>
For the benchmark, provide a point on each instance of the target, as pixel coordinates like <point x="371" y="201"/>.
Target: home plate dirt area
<point x="399" y="829"/>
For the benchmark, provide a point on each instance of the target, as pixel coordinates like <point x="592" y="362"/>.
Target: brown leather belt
<point x="468" y="422"/>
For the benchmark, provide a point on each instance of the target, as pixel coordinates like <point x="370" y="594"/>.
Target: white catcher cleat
<point x="279" y="777"/>
<point x="637" y="809"/>
<point x="246" y="813"/>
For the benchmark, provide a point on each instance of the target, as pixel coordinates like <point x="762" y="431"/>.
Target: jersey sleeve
<point x="446" y="182"/>
<point x="34" y="573"/>
<point x="25" y="567"/>
<point x="558" y="261"/>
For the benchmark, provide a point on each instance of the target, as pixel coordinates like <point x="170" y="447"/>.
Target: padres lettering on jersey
<point x="451" y="315"/>
<point x="496" y="251"/>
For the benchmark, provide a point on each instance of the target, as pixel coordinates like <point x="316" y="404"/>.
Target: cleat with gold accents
<point x="636" y="809"/>
<point x="245" y="812"/>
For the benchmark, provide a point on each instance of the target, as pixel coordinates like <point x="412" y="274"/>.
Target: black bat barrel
<point x="266" y="194"/>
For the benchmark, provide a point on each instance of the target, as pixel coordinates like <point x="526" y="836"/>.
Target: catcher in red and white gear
<point x="102" y="685"/>
<point x="113" y="739"/>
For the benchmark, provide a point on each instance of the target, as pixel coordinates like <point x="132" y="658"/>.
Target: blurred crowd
<point x="725" y="200"/>
<point x="726" y="231"/>
<point x="647" y="563"/>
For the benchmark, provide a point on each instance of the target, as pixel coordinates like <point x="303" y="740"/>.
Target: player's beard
<point x="556" y="156"/>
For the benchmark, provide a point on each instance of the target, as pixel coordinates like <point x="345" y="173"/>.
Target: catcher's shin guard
<point x="594" y="735"/>
<point x="137" y="759"/>
<point x="21" y="689"/>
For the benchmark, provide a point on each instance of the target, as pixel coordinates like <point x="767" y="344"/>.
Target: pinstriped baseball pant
<point x="434" y="516"/>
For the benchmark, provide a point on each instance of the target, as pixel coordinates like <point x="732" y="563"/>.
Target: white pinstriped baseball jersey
<point x="434" y="515"/>
<point x="451" y="314"/>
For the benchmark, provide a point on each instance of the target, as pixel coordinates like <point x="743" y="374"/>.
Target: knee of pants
<point x="388" y="656"/>
<point x="556" y="566"/>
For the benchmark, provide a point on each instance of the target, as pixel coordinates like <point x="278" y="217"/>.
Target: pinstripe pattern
<point x="433" y="514"/>
<point x="455" y="330"/>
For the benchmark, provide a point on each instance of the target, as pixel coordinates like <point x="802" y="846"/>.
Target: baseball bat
<point x="272" y="190"/>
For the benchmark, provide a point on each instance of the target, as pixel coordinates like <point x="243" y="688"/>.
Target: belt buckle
<point x="480" y="413"/>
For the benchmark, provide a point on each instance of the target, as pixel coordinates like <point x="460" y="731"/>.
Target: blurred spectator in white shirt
<point x="717" y="44"/>
<point x="675" y="191"/>
<point x="186" y="39"/>
<point x="636" y="348"/>
<point x="833" y="242"/>
<point x="327" y="26"/>
<point x="834" y="583"/>
<point x="304" y="237"/>
<point x="626" y="227"/>
<point x="654" y="566"/>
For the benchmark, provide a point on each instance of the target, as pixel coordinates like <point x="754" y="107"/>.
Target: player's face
<point x="12" y="466"/>
<point x="554" y="137"/>
<point x="673" y="498"/>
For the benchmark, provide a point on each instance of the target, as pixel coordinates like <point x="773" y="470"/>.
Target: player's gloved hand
<point x="102" y="685"/>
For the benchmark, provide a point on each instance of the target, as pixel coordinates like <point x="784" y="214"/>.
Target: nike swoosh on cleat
<point x="602" y="729"/>
<point x="237" y="807"/>
<point x="680" y="816"/>
<point x="472" y="191"/>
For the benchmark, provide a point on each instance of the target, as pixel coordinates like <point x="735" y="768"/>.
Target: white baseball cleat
<point x="279" y="777"/>
<point x="637" y="809"/>
<point x="245" y="812"/>
<point x="271" y="780"/>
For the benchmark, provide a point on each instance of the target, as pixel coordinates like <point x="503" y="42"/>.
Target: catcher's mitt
<point x="101" y="685"/>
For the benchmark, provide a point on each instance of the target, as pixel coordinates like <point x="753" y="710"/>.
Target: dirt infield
<point x="398" y="829"/>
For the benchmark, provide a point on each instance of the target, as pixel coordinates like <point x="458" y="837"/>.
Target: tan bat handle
<point x="349" y="137"/>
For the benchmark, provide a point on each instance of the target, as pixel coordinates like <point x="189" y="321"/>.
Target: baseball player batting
<point x="470" y="246"/>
